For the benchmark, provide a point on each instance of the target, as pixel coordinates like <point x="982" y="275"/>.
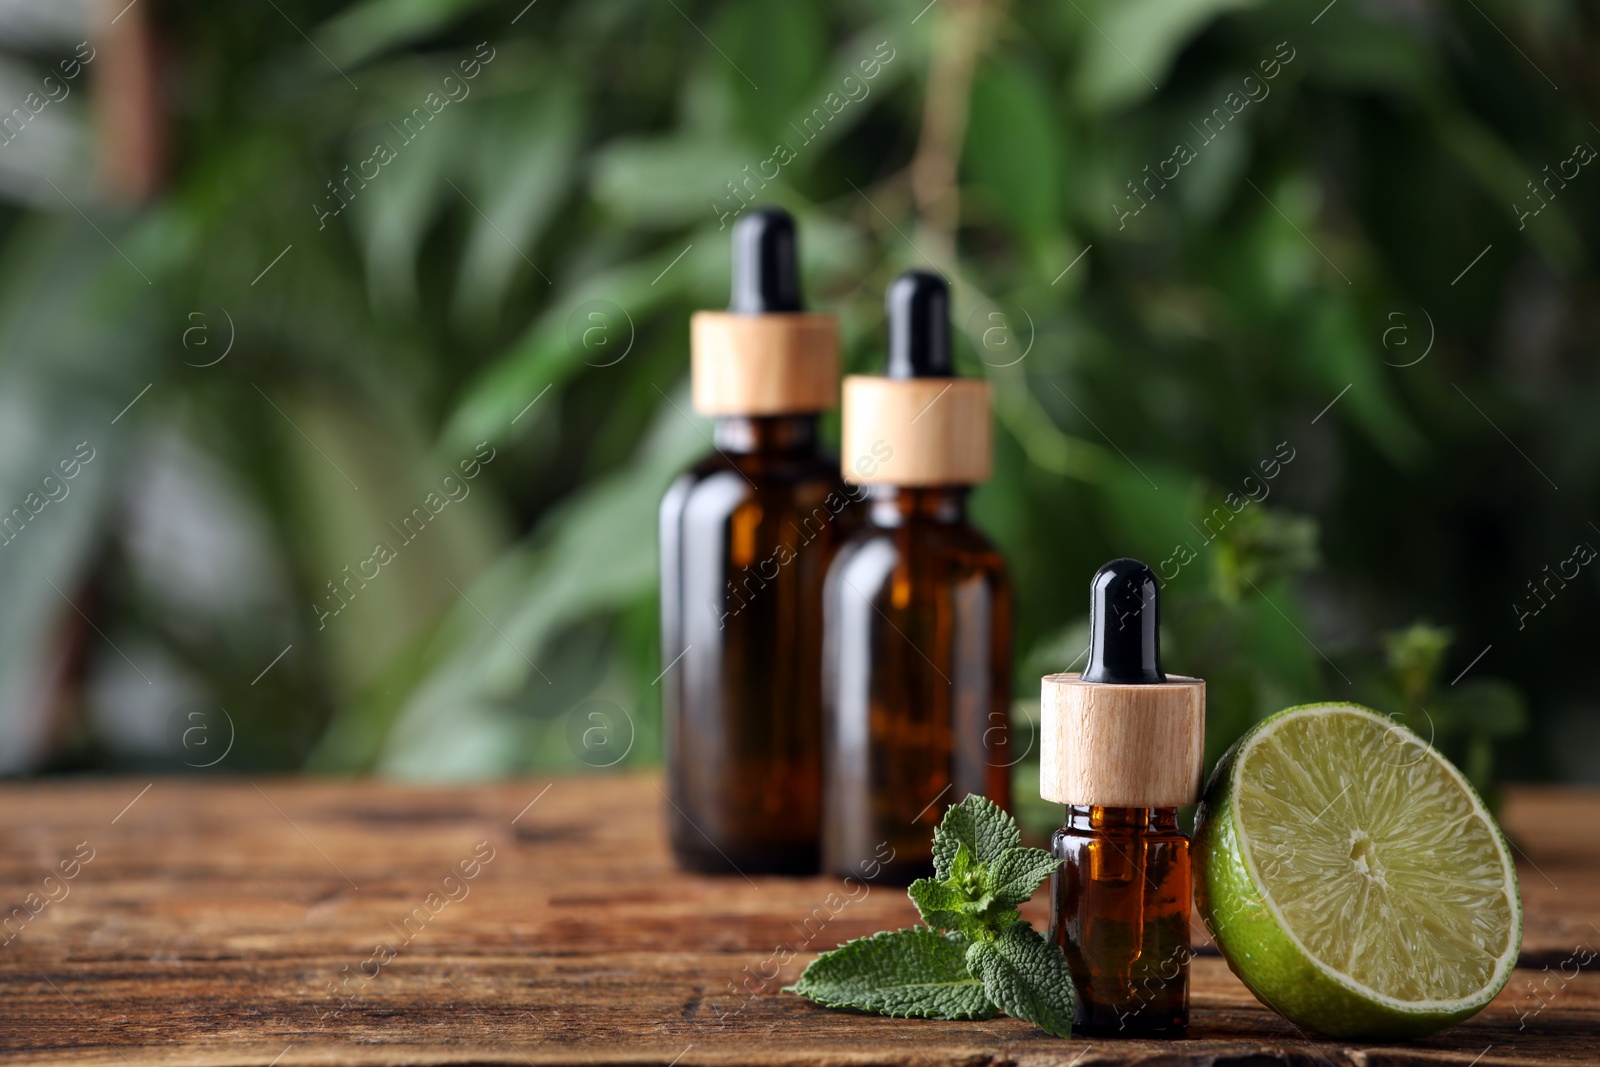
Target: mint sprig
<point x="986" y="961"/>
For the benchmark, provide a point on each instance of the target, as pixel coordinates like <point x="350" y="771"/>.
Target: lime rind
<point x="1259" y="942"/>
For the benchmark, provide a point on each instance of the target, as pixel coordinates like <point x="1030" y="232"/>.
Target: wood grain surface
<point x="291" y="922"/>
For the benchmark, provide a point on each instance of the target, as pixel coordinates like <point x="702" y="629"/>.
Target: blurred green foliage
<point x="521" y="272"/>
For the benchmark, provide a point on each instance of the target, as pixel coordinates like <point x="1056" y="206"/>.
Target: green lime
<point x="1352" y="878"/>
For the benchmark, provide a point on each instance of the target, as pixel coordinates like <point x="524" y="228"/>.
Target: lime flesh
<point x="1352" y="878"/>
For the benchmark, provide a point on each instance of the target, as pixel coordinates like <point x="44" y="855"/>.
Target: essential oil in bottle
<point x="917" y="639"/>
<point x="746" y="539"/>
<point x="1122" y="746"/>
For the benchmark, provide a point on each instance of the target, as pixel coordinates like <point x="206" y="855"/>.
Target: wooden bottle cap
<point x="935" y="431"/>
<point x="775" y="363"/>
<point x="1122" y="746"/>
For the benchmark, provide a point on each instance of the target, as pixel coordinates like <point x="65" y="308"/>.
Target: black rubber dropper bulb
<point x="766" y="263"/>
<point x="1124" y="625"/>
<point x="917" y="306"/>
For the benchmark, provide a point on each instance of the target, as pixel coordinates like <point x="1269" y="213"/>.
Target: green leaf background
<point x="1165" y="360"/>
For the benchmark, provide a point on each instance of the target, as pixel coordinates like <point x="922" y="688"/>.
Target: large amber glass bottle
<point x="746" y="539"/>
<point x="918" y="630"/>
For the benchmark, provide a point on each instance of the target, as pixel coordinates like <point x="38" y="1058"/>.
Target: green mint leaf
<point x="939" y="904"/>
<point x="1017" y="873"/>
<point x="945" y="906"/>
<point x="979" y="824"/>
<point x="963" y="868"/>
<point x="914" y="973"/>
<point x="1027" y="976"/>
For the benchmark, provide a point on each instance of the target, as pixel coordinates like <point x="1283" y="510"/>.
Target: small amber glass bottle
<point x="1120" y="911"/>
<point x="1122" y="748"/>
<point x="918" y="607"/>
<point x="746" y="539"/>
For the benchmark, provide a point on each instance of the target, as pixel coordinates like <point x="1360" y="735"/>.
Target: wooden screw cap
<point x="934" y="431"/>
<point x="763" y="364"/>
<point x="919" y="424"/>
<point x="1122" y="734"/>
<point x="764" y="355"/>
<point x="1122" y="746"/>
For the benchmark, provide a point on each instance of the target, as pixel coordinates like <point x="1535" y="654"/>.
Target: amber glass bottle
<point x="918" y="607"/>
<point x="1120" y="912"/>
<point x="1121" y="747"/>
<point x="746" y="539"/>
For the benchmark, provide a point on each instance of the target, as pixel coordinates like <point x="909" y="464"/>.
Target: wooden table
<point x="239" y="923"/>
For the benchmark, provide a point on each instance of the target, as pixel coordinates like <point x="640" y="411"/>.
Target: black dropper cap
<point x="917" y="306"/>
<point x="766" y="263"/>
<point x="1124" y="625"/>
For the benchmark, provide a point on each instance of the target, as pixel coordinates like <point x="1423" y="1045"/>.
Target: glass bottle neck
<point x="1088" y="817"/>
<point x="894" y="505"/>
<point x="745" y="434"/>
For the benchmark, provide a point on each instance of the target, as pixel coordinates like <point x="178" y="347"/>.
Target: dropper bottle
<point x="1121" y="746"/>
<point x="918" y="633"/>
<point x="746" y="539"/>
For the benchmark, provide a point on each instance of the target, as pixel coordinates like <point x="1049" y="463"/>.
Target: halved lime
<point x="1352" y="878"/>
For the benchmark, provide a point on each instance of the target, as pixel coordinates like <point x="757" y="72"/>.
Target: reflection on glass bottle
<point x="918" y="630"/>
<point x="746" y="539"/>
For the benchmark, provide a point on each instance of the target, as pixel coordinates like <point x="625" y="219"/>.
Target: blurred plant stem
<point x="962" y="30"/>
